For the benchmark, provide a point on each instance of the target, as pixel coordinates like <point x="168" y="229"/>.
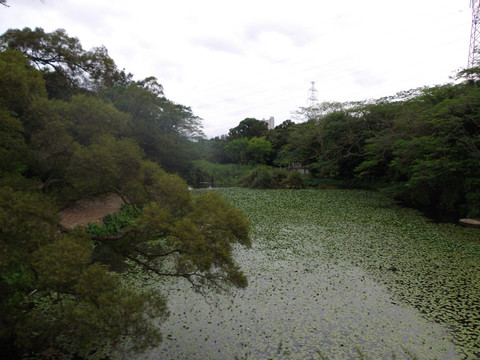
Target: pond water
<point x="334" y="274"/>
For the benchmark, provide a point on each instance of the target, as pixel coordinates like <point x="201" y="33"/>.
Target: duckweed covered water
<point x="335" y="274"/>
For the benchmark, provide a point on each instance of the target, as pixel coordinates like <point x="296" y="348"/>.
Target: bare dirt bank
<point x="89" y="210"/>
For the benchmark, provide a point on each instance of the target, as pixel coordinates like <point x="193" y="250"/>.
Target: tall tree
<point x="176" y="235"/>
<point x="20" y="83"/>
<point x="58" y="298"/>
<point x="68" y="68"/>
<point x="162" y="128"/>
<point x="248" y="128"/>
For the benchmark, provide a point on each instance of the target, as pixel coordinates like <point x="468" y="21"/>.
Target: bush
<point x="294" y="180"/>
<point x="218" y="175"/>
<point x="323" y="183"/>
<point x="264" y="177"/>
<point x="114" y="223"/>
<point x="259" y="178"/>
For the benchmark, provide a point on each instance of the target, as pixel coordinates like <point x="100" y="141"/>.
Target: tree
<point x="318" y="111"/>
<point x="106" y="165"/>
<point x="26" y="223"/>
<point x="55" y="302"/>
<point x="61" y="291"/>
<point x="20" y="83"/>
<point x="153" y="113"/>
<point x="162" y="128"/>
<point x="304" y="145"/>
<point x="57" y="296"/>
<point x="47" y="132"/>
<point x="212" y="150"/>
<point x="237" y="150"/>
<point x="12" y="145"/>
<point x="248" y="128"/>
<point x="425" y="144"/>
<point x="89" y="117"/>
<point x="175" y="235"/>
<point x="68" y="67"/>
<point x="259" y="150"/>
<point x="279" y="136"/>
<point x="194" y="242"/>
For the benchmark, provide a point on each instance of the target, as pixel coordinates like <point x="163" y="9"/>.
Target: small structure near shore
<point x="296" y="166"/>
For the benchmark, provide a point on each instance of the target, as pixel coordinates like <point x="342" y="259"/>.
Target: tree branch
<point x="116" y="237"/>
<point x="156" y="271"/>
<point x="153" y="256"/>
<point x="48" y="183"/>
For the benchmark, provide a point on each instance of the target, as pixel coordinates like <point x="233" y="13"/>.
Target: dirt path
<point x="89" y="210"/>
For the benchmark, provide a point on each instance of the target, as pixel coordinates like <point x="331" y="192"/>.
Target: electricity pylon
<point x="312" y="96"/>
<point x="474" y="51"/>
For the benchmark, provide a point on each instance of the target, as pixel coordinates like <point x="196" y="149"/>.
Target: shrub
<point x="294" y="180"/>
<point x="259" y="178"/>
<point x="114" y="223"/>
<point x="264" y="177"/>
<point x="323" y="183"/>
<point x="218" y="175"/>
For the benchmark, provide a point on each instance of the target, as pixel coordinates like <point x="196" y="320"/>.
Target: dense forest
<point x="73" y="126"/>
<point x="421" y="147"/>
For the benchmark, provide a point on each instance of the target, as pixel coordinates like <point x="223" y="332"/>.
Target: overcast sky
<point x="229" y="60"/>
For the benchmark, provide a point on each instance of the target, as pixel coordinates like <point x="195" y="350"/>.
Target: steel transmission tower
<point x="312" y="96"/>
<point x="474" y="51"/>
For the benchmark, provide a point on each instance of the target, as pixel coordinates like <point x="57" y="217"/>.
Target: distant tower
<point x="312" y="100"/>
<point x="270" y="122"/>
<point x="474" y="51"/>
<point x="313" y="107"/>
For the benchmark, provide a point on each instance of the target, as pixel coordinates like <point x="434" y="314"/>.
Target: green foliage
<point x="180" y="236"/>
<point x="53" y="299"/>
<point x="113" y="224"/>
<point x="97" y="99"/>
<point x="218" y="175"/>
<point x="212" y="150"/>
<point x="68" y="67"/>
<point x="90" y="117"/>
<point x="105" y="166"/>
<point x="20" y="83"/>
<point x="12" y="145"/>
<point x="259" y="150"/>
<point x="256" y="150"/>
<point x="294" y="180"/>
<point x="279" y="137"/>
<point x="248" y="128"/>
<point x="161" y="128"/>
<point x="62" y="326"/>
<point x="260" y="177"/>
<point x="425" y="144"/>
<point x="237" y="150"/>
<point x="50" y="141"/>
<point x="27" y="221"/>
<point x="208" y="244"/>
<point x="264" y="177"/>
<point x="81" y="124"/>
<point x="432" y="144"/>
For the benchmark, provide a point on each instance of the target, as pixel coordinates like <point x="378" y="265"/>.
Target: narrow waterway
<point x="324" y="282"/>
